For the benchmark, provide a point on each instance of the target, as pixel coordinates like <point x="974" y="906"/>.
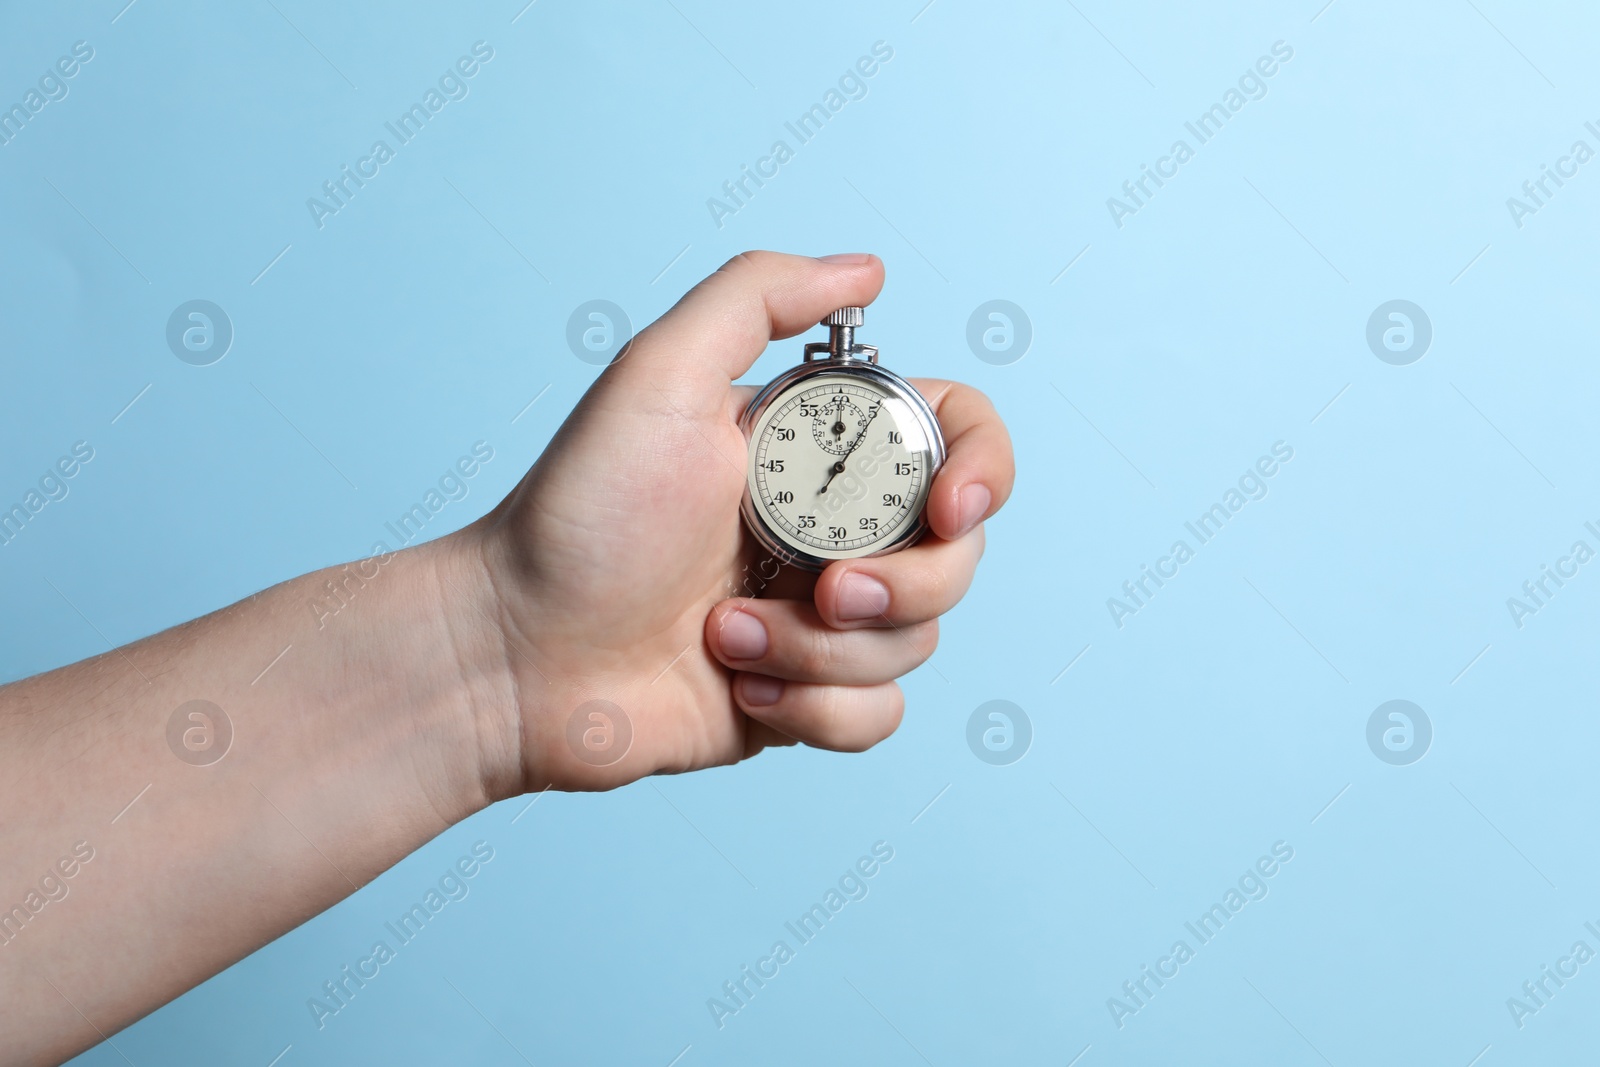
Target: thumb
<point x="717" y="330"/>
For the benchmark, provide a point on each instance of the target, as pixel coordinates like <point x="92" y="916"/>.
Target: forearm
<point x="382" y="724"/>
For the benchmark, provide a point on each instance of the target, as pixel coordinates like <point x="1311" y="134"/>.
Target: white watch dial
<point x="839" y="467"/>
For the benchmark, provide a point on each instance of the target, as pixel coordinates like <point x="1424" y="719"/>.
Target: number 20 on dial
<point x="842" y="455"/>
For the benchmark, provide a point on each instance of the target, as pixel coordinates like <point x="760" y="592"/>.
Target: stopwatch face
<point x="840" y="467"/>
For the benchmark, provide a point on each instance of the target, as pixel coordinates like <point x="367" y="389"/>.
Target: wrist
<point x="521" y="664"/>
<point x="405" y="662"/>
<point x="476" y="658"/>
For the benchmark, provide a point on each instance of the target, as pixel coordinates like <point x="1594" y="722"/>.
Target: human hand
<point x="619" y="568"/>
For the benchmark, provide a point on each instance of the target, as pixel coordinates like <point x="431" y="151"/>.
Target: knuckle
<point x="835" y="718"/>
<point x="854" y="720"/>
<point x="843" y="718"/>
<point x="964" y="394"/>
<point x="972" y="399"/>
<point x="744" y="261"/>
<point x="817" y="652"/>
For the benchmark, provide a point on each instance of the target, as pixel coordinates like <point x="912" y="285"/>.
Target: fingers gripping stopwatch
<point x="842" y="455"/>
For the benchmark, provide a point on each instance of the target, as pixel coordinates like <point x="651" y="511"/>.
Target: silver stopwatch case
<point x="841" y="356"/>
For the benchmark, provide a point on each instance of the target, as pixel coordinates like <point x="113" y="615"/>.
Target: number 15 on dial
<point x="842" y="455"/>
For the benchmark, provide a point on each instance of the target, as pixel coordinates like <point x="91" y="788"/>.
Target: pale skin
<point x="618" y="569"/>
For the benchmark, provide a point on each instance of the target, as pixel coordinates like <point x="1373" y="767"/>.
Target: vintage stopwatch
<point x="842" y="455"/>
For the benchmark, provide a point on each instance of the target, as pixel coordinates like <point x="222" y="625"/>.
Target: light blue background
<point x="1223" y="317"/>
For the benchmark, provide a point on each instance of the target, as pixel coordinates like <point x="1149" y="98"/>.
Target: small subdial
<point x="837" y="425"/>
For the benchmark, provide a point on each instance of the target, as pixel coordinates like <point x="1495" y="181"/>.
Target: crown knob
<point x="841" y="342"/>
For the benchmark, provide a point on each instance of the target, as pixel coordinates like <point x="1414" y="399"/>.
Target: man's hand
<point x="619" y="569"/>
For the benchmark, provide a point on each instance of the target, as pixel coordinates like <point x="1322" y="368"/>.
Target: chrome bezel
<point x="891" y="384"/>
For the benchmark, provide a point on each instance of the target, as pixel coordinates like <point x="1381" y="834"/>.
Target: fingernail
<point x="974" y="502"/>
<point x="862" y="597"/>
<point x="760" y="691"/>
<point x="742" y="636"/>
<point x="846" y="257"/>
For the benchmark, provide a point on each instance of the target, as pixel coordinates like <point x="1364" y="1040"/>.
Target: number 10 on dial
<point x="842" y="455"/>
